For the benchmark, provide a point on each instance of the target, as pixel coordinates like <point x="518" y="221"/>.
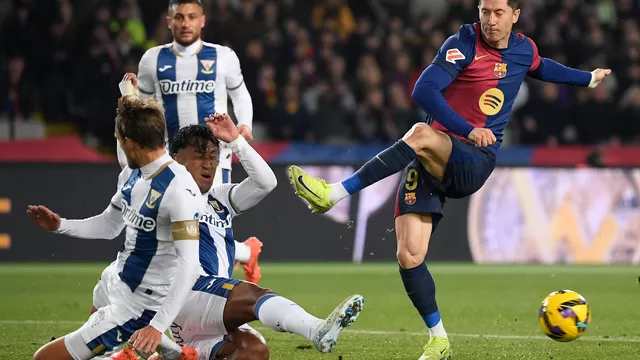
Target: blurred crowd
<point x="330" y="71"/>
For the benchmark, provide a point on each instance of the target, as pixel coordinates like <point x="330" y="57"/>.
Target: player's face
<point x="202" y="166"/>
<point x="186" y="22"/>
<point x="497" y="19"/>
<point x="130" y="151"/>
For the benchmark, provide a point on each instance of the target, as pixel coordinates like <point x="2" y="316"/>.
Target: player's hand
<point x="245" y="132"/>
<point x="44" y="217"/>
<point x="146" y="340"/>
<point x="598" y="76"/>
<point x="482" y="137"/>
<point x="223" y="127"/>
<point x="129" y="85"/>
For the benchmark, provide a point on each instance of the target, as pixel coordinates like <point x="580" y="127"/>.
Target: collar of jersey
<point x="152" y="169"/>
<point x="190" y="50"/>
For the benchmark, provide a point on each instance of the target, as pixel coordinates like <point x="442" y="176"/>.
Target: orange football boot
<point x="125" y="354"/>
<point x="251" y="269"/>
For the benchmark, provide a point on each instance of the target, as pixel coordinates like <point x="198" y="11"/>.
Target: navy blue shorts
<point x="468" y="169"/>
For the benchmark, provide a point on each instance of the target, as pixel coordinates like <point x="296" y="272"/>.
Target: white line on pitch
<point x="372" y="332"/>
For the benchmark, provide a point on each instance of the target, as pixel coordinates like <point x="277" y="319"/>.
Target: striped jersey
<point x="154" y="200"/>
<point x="217" y="247"/>
<point x="190" y="83"/>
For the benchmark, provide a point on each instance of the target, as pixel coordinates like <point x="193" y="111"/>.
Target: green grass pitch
<point x="489" y="311"/>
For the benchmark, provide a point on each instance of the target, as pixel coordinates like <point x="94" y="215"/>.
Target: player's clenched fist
<point x="44" y="217"/>
<point x="129" y="85"/>
<point x="482" y="137"/>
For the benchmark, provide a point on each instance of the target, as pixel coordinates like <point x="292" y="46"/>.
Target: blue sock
<point x="421" y="289"/>
<point x="386" y="163"/>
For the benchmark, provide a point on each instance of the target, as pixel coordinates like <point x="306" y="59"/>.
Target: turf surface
<point x="489" y="311"/>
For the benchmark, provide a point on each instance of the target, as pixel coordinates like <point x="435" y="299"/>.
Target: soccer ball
<point x="564" y="315"/>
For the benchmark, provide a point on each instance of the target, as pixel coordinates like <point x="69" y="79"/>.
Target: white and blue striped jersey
<point x="190" y="83"/>
<point x="217" y="246"/>
<point x="153" y="200"/>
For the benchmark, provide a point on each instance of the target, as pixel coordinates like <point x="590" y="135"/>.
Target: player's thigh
<point x="106" y="329"/>
<point x="203" y="311"/>
<point x="101" y="290"/>
<point x="432" y="147"/>
<point x="468" y="169"/>
<point x="419" y="205"/>
<point x="241" y="303"/>
<point x="55" y="350"/>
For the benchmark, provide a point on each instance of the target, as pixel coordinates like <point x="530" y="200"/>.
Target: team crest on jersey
<point x="152" y="199"/>
<point x="410" y="198"/>
<point x="500" y="70"/>
<point x="215" y="204"/>
<point x="207" y="66"/>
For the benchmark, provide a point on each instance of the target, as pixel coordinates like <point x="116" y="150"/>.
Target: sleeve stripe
<point x="447" y="67"/>
<point x="235" y="208"/>
<point x="235" y="87"/>
<point x="185" y="230"/>
<point x="535" y="62"/>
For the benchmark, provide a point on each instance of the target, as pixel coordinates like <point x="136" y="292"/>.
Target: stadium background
<point x="331" y="82"/>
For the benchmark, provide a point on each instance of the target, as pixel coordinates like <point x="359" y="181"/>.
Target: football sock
<point x="169" y="349"/>
<point x="243" y="252"/>
<point x="421" y="289"/>
<point x="386" y="163"/>
<point x="284" y="315"/>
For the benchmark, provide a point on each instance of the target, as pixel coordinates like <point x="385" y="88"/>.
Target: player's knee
<point x="409" y="258"/>
<point x="420" y="137"/>
<point x="256" y="351"/>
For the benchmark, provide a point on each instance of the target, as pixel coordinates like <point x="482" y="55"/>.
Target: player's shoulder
<point x="219" y="197"/>
<point x="182" y="180"/>
<point x="521" y="39"/>
<point x="221" y="50"/>
<point x="468" y="33"/>
<point x="154" y="51"/>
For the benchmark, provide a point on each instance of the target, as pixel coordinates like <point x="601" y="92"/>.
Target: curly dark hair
<point x="199" y="136"/>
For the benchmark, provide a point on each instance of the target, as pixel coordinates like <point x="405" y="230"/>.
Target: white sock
<point x="243" y="252"/>
<point x="284" y="315"/>
<point x="337" y="192"/>
<point x="169" y="349"/>
<point x="438" y="330"/>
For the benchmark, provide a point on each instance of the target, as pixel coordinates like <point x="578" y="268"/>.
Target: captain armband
<point x="185" y="230"/>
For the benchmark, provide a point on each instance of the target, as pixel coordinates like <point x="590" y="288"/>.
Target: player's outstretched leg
<point x="248" y="302"/>
<point x="421" y="141"/>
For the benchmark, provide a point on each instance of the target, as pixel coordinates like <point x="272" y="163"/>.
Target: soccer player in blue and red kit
<point x="468" y="92"/>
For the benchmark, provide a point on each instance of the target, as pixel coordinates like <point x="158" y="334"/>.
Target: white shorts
<point x="202" y="313"/>
<point x="106" y="329"/>
<point x="208" y="346"/>
<point x="101" y="290"/>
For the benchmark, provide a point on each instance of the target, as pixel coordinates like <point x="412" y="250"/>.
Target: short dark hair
<point x="141" y="121"/>
<point x="180" y="2"/>
<point x="514" y="4"/>
<point x="199" y="136"/>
